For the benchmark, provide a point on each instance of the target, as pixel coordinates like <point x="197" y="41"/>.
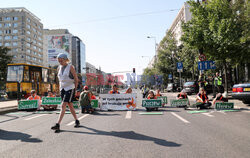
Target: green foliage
<point x="4" y="60"/>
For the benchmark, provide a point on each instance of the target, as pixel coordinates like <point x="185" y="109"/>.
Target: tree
<point x="4" y="60"/>
<point x="216" y="28"/>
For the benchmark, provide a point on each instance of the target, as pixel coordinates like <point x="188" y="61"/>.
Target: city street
<point x="173" y="132"/>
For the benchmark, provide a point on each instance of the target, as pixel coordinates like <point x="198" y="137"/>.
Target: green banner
<point x="94" y="103"/>
<point x="179" y="102"/>
<point x="27" y="104"/>
<point x="164" y="99"/>
<point x="76" y="104"/>
<point x="51" y="100"/>
<point x="151" y="103"/>
<point x="224" y="106"/>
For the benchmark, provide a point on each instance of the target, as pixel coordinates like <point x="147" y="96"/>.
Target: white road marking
<point x="30" y="118"/>
<point x="128" y="115"/>
<point x="207" y="114"/>
<point x="179" y="117"/>
<point x="223" y="112"/>
<point x="71" y="123"/>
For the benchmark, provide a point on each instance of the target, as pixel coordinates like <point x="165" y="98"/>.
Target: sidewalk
<point x="6" y="106"/>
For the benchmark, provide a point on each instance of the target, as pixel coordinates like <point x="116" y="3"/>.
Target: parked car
<point x="191" y="87"/>
<point x="242" y="92"/>
<point x="173" y="87"/>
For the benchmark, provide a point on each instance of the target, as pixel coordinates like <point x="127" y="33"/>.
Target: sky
<point x="114" y="31"/>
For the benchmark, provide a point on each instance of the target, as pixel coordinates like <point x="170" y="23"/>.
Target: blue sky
<point x="114" y="31"/>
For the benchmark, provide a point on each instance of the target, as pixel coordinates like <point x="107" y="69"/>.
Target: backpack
<point x="84" y="99"/>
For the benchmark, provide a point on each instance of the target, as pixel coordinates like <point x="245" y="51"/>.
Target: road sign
<point x="148" y="103"/>
<point x="170" y="76"/>
<point x="27" y="104"/>
<point x="205" y="65"/>
<point x="179" y="65"/>
<point x="224" y="106"/>
<point x="179" y="102"/>
<point x="202" y="57"/>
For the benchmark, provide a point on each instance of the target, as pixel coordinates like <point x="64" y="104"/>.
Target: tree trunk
<point x="246" y="72"/>
<point x="225" y="73"/>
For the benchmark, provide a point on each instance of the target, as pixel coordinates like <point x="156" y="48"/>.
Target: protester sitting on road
<point x="220" y="98"/>
<point x="129" y="90"/>
<point x="77" y="95"/>
<point x="50" y="107"/>
<point x="158" y="94"/>
<point x="114" y="90"/>
<point x="92" y="95"/>
<point x="151" y="95"/>
<point x="182" y="95"/>
<point x="35" y="97"/>
<point x="202" y="99"/>
<point x="85" y="100"/>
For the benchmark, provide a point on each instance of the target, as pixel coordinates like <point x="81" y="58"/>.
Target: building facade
<point x="78" y="55"/>
<point x="22" y="32"/>
<point x="183" y="15"/>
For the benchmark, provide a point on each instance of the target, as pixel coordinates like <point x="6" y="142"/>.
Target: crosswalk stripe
<point x="71" y="123"/>
<point x="179" y="117"/>
<point x="30" y="118"/>
<point x="128" y="115"/>
<point x="207" y="114"/>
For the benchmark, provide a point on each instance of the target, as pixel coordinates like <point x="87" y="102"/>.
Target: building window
<point x="28" y="26"/>
<point x="40" y="38"/>
<point x="7" y="25"/>
<point x="1" y="19"/>
<point x="40" y="44"/>
<point x="39" y="49"/>
<point x="7" y="44"/>
<point x="1" y="37"/>
<point x="28" y="32"/>
<point x="7" y="19"/>
<point x="34" y="47"/>
<point x="35" y="53"/>
<point x="28" y="19"/>
<point x="14" y="43"/>
<point x="15" y="37"/>
<point x="1" y="32"/>
<point x="15" y="24"/>
<point x="1" y="44"/>
<point x="27" y="44"/>
<point x="15" y="31"/>
<point x="34" y="42"/>
<point x="7" y="37"/>
<point x="15" y="18"/>
<point x="28" y="51"/>
<point x="14" y="56"/>
<point x="14" y="50"/>
<point x="0" y="25"/>
<point x="28" y="39"/>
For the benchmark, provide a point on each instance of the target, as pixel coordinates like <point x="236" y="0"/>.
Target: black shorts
<point x="67" y="96"/>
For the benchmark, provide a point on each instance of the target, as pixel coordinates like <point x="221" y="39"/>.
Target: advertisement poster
<point x="118" y="101"/>
<point x="58" y="44"/>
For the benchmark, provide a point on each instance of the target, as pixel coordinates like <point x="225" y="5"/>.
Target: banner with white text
<point x="118" y="101"/>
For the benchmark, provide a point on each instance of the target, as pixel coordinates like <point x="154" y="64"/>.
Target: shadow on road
<point x="128" y="135"/>
<point x="103" y="114"/>
<point x="10" y="135"/>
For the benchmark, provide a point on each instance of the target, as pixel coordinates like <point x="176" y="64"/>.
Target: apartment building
<point x="22" y="32"/>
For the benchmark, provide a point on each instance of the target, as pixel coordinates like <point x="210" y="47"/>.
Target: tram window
<point x="15" y="73"/>
<point x="45" y="75"/>
<point x="26" y="76"/>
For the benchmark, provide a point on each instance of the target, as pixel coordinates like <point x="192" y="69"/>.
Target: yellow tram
<point x="22" y="78"/>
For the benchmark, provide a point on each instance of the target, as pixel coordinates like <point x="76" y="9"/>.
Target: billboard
<point x="58" y="44"/>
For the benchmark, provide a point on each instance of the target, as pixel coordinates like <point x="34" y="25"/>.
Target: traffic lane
<point x="226" y="136"/>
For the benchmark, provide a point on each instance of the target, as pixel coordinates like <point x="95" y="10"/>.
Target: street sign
<point x="148" y="103"/>
<point x="179" y="65"/>
<point x="27" y="104"/>
<point x="202" y="57"/>
<point x="163" y="99"/>
<point x="224" y="106"/>
<point x="170" y="76"/>
<point x="205" y="65"/>
<point x="94" y="103"/>
<point x="51" y="100"/>
<point x="179" y="102"/>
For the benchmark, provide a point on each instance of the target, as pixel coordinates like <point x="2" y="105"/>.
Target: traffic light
<point x="133" y="70"/>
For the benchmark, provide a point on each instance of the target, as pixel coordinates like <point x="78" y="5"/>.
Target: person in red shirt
<point x="34" y="96"/>
<point x="92" y="95"/>
<point x="114" y="90"/>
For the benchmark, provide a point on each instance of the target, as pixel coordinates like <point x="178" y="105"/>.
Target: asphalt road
<point x="174" y="134"/>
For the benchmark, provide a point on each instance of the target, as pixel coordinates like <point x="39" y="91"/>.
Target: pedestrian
<point x="85" y="99"/>
<point x="114" y="90"/>
<point x="151" y="95"/>
<point x="68" y="81"/>
<point x="202" y="99"/>
<point x="34" y="96"/>
<point x="217" y="84"/>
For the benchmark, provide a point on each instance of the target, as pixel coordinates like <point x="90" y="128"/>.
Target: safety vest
<point x="218" y="80"/>
<point x="34" y="98"/>
<point x="200" y="95"/>
<point x="114" y="92"/>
